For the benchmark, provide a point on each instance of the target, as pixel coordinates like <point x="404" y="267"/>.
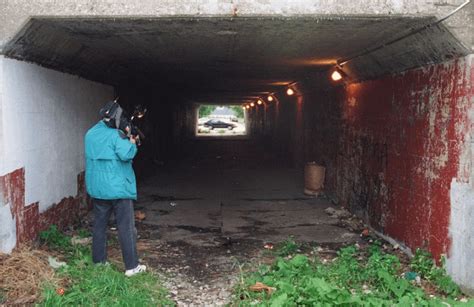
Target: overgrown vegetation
<point x="354" y="278"/>
<point x="87" y="284"/>
<point x="423" y="263"/>
<point x="55" y="239"/>
<point x="287" y="247"/>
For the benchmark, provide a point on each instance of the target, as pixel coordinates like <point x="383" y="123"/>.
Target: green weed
<point x="55" y="239"/>
<point x="287" y="247"/>
<point x="89" y="284"/>
<point x="423" y="264"/>
<point x="348" y="280"/>
<point x="84" y="233"/>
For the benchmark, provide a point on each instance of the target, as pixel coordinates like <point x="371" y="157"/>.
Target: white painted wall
<point x="460" y="263"/>
<point x="44" y="115"/>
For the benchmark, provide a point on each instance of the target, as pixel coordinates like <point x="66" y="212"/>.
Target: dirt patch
<point x="198" y="275"/>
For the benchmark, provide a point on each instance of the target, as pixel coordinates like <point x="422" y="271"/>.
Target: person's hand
<point x="133" y="140"/>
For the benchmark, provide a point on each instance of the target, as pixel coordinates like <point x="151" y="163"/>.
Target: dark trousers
<point x="124" y="215"/>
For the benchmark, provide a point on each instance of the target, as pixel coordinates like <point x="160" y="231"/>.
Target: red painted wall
<point x="29" y="221"/>
<point x="400" y="147"/>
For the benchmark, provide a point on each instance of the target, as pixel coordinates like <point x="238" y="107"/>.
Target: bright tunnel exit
<point x="220" y="121"/>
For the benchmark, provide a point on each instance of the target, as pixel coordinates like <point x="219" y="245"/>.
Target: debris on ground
<point x="22" y="274"/>
<point x="54" y="263"/>
<point x="140" y="215"/>
<point x="347" y="219"/>
<point x="259" y="287"/>
<point x="81" y="241"/>
<point x="338" y="213"/>
<point x="60" y="291"/>
<point x="268" y="246"/>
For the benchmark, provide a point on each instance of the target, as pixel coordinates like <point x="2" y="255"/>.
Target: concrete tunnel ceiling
<point x="216" y="59"/>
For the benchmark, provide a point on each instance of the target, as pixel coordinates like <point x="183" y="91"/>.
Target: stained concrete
<point x="228" y="58"/>
<point x="206" y="219"/>
<point x="204" y="206"/>
<point x="15" y="13"/>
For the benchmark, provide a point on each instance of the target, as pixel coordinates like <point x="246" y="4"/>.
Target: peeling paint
<point x="22" y="223"/>
<point x="400" y="149"/>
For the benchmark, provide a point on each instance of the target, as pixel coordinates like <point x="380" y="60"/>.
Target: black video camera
<point x="127" y="122"/>
<point x="115" y="117"/>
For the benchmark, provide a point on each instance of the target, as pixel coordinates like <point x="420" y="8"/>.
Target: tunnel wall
<point x="44" y="116"/>
<point x="405" y="158"/>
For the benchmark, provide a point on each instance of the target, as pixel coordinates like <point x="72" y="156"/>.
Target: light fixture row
<point x="270" y="97"/>
<point x="336" y="75"/>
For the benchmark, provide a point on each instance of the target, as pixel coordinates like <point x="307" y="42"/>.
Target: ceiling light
<point x="259" y="102"/>
<point x="336" y="75"/>
<point x="270" y="98"/>
<point x="247" y="107"/>
<point x="252" y="104"/>
<point x="290" y="91"/>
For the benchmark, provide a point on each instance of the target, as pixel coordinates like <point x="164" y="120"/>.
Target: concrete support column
<point x="460" y="261"/>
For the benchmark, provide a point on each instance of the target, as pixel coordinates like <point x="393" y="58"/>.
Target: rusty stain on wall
<point x="401" y="147"/>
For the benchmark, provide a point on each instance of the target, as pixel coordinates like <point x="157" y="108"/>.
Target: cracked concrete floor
<point x="202" y="222"/>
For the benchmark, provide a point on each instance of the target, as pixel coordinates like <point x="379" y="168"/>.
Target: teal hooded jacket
<point x="109" y="171"/>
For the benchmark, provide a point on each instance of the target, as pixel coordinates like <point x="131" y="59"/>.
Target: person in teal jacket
<point x="111" y="183"/>
<point x="109" y="172"/>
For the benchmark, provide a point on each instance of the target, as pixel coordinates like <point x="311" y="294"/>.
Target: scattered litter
<point x="341" y="213"/>
<point x="60" y="291"/>
<point x="54" y="263"/>
<point x="418" y="280"/>
<point x="259" y="287"/>
<point x="81" y="241"/>
<point x="348" y="220"/>
<point x="410" y="276"/>
<point x="268" y="246"/>
<point x="173" y="204"/>
<point x="140" y="215"/>
<point x="365" y="232"/>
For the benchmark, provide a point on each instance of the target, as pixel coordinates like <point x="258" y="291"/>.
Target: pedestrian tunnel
<point x="394" y="133"/>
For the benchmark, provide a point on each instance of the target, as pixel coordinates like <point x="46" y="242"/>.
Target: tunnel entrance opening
<point x="200" y="190"/>
<point x="221" y="121"/>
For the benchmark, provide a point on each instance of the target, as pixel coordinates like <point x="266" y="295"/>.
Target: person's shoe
<point x="139" y="269"/>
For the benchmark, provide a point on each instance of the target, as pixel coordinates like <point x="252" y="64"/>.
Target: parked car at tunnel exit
<point x="214" y="123"/>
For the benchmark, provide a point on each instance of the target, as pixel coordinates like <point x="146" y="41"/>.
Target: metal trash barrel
<point x="314" y="175"/>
